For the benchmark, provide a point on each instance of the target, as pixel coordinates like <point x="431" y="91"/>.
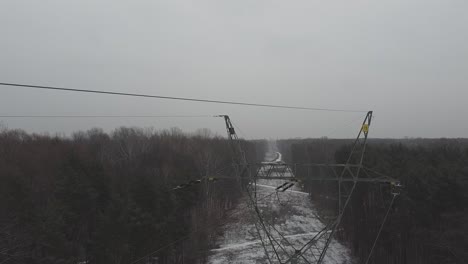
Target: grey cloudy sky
<point x="405" y="59"/>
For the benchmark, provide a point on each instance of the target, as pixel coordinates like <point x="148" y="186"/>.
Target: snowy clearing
<point x="291" y="220"/>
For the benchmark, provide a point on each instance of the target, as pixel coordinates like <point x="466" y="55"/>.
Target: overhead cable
<point x="180" y="239"/>
<point x="102" y="116"/>
<point x="176" y="98"/>
<point x="380" y="229"/>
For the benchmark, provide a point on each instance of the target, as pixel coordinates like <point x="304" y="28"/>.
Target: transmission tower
<point x="346" y="175"/>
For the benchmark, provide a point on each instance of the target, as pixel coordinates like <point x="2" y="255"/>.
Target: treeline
<point x="428" y="222"/>
<point x="108" y="198"/>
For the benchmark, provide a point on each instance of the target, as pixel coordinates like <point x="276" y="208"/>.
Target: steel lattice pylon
<point x="346" y="175"/>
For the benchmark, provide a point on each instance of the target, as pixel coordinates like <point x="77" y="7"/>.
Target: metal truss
<point x="347" y="176"/>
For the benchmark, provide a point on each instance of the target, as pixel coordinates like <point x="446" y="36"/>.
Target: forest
<point x="427" y="223"/>
<point x="97" y="197"/>
<point x="109" y="198"/>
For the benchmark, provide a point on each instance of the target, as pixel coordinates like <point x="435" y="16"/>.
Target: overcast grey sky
<point x="405" y="59"/>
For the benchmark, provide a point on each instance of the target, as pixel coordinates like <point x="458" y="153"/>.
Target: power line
<point x="380" y="229"/>
<point x="192" y="232"/>
<point x="176" y="98"/>
<point x="102" y="116"/>
<point x="161" y="248"/>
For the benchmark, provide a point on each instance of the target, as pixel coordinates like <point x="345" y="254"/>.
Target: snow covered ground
<point x="290" y="219"/>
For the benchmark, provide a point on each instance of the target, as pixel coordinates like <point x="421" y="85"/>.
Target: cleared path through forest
<point x="294" y="220"/>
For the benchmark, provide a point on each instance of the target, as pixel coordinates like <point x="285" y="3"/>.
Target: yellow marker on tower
<point x="365" y="128"/>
